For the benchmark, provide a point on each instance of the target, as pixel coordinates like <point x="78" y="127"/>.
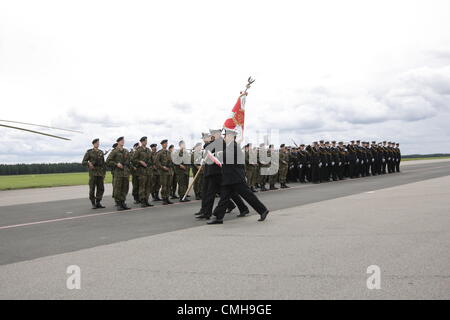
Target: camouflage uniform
<point x="121" y="175"/>
<point x="164" y="159"/>
<point x="144" y="173"/>
<point x="283" y="167"/>
<point x="96" y="174"/>
<point x="155" y="183"/>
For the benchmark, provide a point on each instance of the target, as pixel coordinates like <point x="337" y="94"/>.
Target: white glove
<point x="320" y="164"/>
<point x="357" y="160"/>
<point x="340" y="163"/>
<point x="300" y="166"/>
<point x="373" y="160"/>
<point x="362" y="161"/>
<point x="384" y="160"/>
<point x="332" y="163"/>
<point x="309" y="166"/>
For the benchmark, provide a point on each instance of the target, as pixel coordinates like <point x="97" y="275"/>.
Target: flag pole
<point x="192" y="183"/>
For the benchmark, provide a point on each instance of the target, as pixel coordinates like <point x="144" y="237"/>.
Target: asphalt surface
<point x="321" y="250"/>
<point x="30" y="231"/>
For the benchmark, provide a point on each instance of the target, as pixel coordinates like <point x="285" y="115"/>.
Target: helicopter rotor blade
<point x="40" y="125"/>
<point x="32" y="131"/>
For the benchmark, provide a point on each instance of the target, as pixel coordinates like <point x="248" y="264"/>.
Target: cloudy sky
<point x="374" y="70"/>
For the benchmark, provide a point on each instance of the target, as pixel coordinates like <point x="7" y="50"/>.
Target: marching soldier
<point x="165" y="166"/>
<point x="119" y="158"/>
<point x="95" y="161"/>
<point x="283" y="166"/>
<point x="142" y="161"/>
<point x="234" y="181"/>
<point x="212" y="180"/>
<point x="182" y="171"/>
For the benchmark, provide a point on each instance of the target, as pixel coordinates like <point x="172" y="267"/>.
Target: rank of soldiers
<point x="155" y="173"/>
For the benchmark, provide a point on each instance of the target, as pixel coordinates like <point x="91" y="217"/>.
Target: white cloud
<point x="324" y="69"/>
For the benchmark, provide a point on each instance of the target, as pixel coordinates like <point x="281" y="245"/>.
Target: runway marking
<point x="84" y="216"/>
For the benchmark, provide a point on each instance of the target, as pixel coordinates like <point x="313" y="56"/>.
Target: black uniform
<point x="212" y="180"/>
<point x="233" y="181"/>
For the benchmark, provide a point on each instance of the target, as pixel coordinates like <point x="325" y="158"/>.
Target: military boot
<point x="99" y="205"/>
<point x="272" y="187"/>
<point x="166" y="201"/>
<point x="94" y="205"/>
<point x="173" y="196"/>
<point x="124" y="206"/>
<point x="263" y="187"/>
<point x="156" y="197"/>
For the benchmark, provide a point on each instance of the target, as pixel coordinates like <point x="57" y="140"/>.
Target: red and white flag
<point x="237" y="117"/>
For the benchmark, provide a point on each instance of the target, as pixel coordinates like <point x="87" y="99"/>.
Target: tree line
<point x="66" y="167"/>
<point x="41" y="168"/>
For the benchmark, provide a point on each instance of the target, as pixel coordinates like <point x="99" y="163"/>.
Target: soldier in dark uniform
<point x="315" y="162"/>
<point x="155" y="183"/>
<point x="134" y="176"/>
<point x="343" y="161"/>
<point x="375" y="167"/>
<point x="233" y="180"/>
<point x="335" y="161"/>
<point x="142" y="161"/>
<point x="119" y="158"/>
<point x="95" y="161"/>
<point x="384" y="158"/>
<point x="352" y="156"/>
<point x="399" y="157"/>
<point x="302" y="164"/>
<point x="283" y="166"/>
<point x="323" y="163"/>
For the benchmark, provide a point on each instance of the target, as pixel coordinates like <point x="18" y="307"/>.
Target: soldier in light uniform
<point x="142" y="161"/>
<point x="95" y="161"/>
<point x="196" y="160"/>
<point x="119" y="158"/>
<point x="165" y="167"/>
<point x="182" y="170"/>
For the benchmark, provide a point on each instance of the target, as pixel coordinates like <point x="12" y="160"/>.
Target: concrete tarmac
<point x="317" y="243"/>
